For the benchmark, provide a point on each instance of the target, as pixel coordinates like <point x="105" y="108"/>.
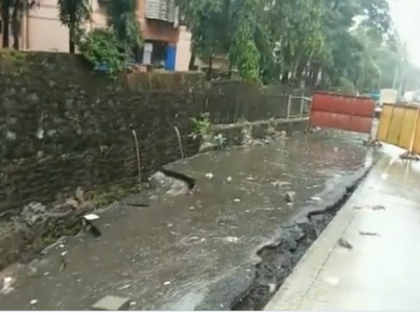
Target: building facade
<point x="166" y="44"/>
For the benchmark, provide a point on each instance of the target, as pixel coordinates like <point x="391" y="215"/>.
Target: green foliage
<point x="201" y="126"/>
<point x="123" y="21"/>
<point x="12" y="61"/>
<point x="219" y="141"/>
<point x="102" y="49"/>
<point x="224" y="27"/>
<point x="73" y="14"/>
<point x="247" y="59"/>
<point x="242" y="49"/>
<point x="12" y="12"/>
<point x="106" y="49"/>
<point x="320" y="42"/>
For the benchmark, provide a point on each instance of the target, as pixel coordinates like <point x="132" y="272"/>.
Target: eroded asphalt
<point x="189" y="252"/>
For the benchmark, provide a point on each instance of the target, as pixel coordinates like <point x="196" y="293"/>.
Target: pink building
<point x="42" y="31"/>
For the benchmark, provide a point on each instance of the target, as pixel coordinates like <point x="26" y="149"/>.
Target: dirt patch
<point x="23" y="236"/>
<point x="245" y="133"/>
<point x="279" y="257"/>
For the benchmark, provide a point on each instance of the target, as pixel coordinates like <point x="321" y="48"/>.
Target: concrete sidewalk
<point x="382" y="271"/>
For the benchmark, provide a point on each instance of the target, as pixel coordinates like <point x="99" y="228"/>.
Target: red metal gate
<point x="343" y="112"/>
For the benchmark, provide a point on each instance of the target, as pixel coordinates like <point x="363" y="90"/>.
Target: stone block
<point x="112" y="303"/>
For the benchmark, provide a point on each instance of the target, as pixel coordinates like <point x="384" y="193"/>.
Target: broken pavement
<point x="194" y="251"/>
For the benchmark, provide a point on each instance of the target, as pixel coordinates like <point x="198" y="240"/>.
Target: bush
<point x="101" y="48"/>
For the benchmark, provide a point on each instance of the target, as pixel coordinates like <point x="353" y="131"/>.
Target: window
<point x="147" y="53"/>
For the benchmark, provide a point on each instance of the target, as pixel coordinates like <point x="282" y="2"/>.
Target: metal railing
<point x="304" y="106"/>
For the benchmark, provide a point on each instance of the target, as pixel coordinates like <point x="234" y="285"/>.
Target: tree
<point x="102" y="50"/>
<point x="242" y="50"/>
<point x="73" y="14"/>
<point x="225" y="27"/>
<point x="5" y="7"/>
<point x="11" y="16"/>
<point x="123" y="21"/>
<point x="208" y="21"/>
<point x="349" y="44"/>
<point x="346" y="57"/>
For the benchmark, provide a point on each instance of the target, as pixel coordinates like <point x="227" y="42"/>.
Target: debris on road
<point x="63" y="263"/>
<point x="229" y="179"/>
<point x="315" y="198"/>
<point x="290" y="196"/>
<point x="281" y="183"/>
<point x="374" y="208"/>
<point x="33" y="302"/>
<point x="368" y="233"/>
<point x="61" y="243"/>
<point x="124" y="287"/>
<point x="111" y="303"/>
<point x="89" y="226"/>
<point x="231" y="239"/>
<point x="209" y="175"/>
<point x="7" y="285"/>
<point x="344" y="243"/>
<point x="378" y="208"/>
<point x="91" y="217"/>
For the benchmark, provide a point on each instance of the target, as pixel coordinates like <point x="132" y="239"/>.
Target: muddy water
<point x="173" y="254"/>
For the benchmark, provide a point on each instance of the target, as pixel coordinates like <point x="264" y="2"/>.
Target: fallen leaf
<point x="368" y="233"/>
<point x="344" y="243"/>
<point x="124" y="287"/>
<point x="378" y="208"/>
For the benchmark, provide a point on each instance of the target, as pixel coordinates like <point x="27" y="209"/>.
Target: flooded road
<point x="189" y="252"/>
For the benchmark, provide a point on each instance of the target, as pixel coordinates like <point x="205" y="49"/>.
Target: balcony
<point x="162" y="10"/>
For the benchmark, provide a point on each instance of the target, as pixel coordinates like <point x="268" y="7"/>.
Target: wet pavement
<point x="189" y="252"/>
<point x="381" y="272"/>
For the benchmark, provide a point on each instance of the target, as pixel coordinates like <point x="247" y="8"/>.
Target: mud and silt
<point x="196" y="251"/>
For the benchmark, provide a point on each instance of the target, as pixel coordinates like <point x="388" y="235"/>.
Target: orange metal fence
<point x="399" y="125"/>
<point x="343" y="112"/>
